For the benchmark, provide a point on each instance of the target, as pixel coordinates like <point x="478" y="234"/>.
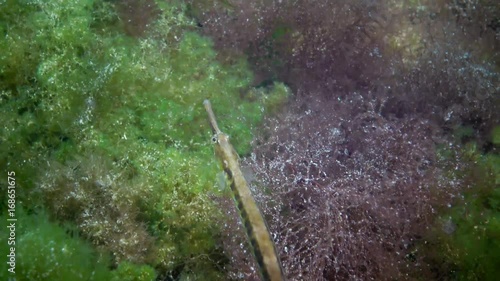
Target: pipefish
<point x="256" y="228"/>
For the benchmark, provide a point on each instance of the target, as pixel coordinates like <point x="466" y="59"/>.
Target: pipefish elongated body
<point x="255" y="225"/>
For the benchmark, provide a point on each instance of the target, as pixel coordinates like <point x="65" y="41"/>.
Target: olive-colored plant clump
<point x="464" y="244"/>
<point x="102" y="202"/>
<point x="48" y="251"/>
<point x="107" y="131"/>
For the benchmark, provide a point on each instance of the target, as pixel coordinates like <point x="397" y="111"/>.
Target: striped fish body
<point x="255" y="225"/>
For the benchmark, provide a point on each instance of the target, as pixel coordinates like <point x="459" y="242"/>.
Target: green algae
<point x="107" y="131"/>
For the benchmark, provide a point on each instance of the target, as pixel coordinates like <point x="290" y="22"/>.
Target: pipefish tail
<point x="255" y="226"/>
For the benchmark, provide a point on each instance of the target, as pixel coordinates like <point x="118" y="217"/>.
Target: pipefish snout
<point x="256" y="228"/>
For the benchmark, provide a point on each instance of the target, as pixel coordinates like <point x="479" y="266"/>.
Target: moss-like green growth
<point x="108" y="131"/>
<point x="465" y="245"/>
<point x="495" y="135"/>
<point x="102" y="200"/>
<point x="47" y="251"/>
<point x="130" y="272"/>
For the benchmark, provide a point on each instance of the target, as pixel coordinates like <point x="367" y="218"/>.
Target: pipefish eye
<point x="214" y="139"/>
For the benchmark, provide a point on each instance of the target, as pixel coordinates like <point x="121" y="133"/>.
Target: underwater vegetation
<point x="382" y="164"/>
<point x="465" y="241"/>
<point x="106" y="131"/>
<point x="48" y="251"/>
<point x="349" y="174"/>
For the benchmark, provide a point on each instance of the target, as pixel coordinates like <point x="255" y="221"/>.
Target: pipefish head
<point x="223" y="149"/>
